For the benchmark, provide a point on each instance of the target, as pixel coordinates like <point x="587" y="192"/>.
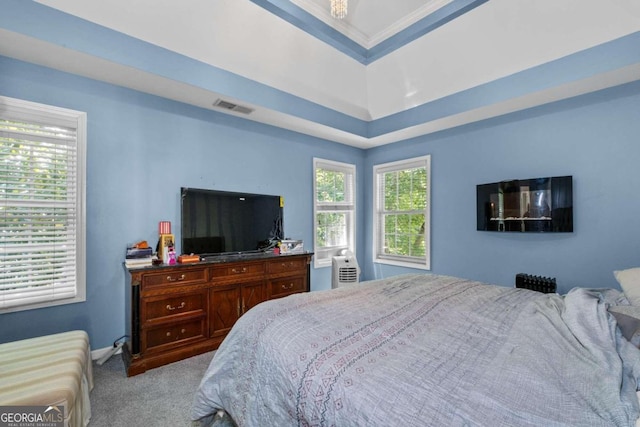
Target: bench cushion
<point x="50" y="370"/>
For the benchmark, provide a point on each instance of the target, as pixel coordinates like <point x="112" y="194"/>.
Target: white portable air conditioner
<point x="345" y="269"/>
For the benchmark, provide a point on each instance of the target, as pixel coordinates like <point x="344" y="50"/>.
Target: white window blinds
<point x="41" y="205"/>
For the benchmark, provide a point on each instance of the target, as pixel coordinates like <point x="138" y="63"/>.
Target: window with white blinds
<point x="402" y="220"/>
<point x="334" y="209"/>
<point x="42" y="213"/>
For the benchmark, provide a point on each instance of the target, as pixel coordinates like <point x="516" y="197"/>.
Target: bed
<point x="423" y="349"/>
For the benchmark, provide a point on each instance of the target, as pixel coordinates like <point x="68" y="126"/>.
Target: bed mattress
<point x="53" y="370"/>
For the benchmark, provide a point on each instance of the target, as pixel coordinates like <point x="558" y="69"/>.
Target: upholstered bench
<point x="53" y="370"/>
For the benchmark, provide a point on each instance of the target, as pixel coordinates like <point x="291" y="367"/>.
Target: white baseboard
<point x="101" y="352"/>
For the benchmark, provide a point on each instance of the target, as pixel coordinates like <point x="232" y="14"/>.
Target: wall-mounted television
<point x="222" y="222"/>
<point x="526" y="205"/>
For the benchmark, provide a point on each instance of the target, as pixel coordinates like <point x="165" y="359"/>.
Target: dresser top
<point x="223" y="259"/>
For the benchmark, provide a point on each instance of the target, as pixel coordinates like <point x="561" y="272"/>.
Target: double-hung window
<point x="42" y="211"/>
<point x="401" y="212"/>
<point x="334" y="209"/>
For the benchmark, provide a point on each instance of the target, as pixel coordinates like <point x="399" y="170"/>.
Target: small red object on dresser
<point x="183" y="259"/>
<point x="164" y="227"/>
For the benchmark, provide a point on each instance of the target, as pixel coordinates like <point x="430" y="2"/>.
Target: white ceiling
<point x="293" y="79"/>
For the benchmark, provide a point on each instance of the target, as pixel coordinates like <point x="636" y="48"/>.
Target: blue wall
<point x="593" y="137"/>
<point x="141" y="150"/>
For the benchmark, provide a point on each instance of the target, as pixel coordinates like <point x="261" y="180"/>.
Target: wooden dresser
<point x="175" y="312"/>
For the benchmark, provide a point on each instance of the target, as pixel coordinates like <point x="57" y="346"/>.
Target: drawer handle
<point x="285" y="265"/>
<point x="171" y="279"/>
<point x="182" y="305"/>
<point x="287" y="287"/>
<point x="182" y="331"/>
<point x="242" y="270"/>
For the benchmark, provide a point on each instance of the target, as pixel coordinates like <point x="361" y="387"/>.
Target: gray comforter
<point x="425" y="350"/>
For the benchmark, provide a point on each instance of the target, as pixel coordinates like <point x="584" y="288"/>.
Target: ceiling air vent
<point x="220" y="103"/>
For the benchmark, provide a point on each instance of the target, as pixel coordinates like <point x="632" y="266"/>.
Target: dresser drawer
<point x="165" y="307"/>
<point x="288" y="265"/>
<point x="174" y="277"/>
<point x="175" y="334"/>
<point x="286" y="286"/>
<point x="238" y="270"/>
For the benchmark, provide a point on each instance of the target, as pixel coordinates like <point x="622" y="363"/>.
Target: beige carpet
<point x="159" y="397"/>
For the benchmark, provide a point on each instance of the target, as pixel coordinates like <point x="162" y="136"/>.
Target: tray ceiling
<point x="388" y="72"/>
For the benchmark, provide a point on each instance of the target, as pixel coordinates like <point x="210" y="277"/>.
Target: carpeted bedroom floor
<point x="159" y="397"/>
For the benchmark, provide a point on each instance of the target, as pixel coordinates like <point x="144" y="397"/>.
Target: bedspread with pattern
<point x="416" y="350"/>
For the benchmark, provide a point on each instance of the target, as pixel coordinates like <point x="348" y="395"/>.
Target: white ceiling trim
<point x="322" y="12"/>
<point x="396" y="27"/>
<point x="323" y="28"/>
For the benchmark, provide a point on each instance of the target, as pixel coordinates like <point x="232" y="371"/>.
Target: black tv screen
<point x="221" y="222"/>
<point x="526" y="205"/>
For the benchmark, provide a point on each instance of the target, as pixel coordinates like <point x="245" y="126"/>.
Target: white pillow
<point x="630" y="282"/>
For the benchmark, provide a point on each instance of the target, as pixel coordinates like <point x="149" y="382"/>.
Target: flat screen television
<point x="221" y="222"/>
<point x="526" y="205"/>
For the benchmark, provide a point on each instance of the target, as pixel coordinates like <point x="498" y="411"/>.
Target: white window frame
<point x="378" y="214"/>
<point x="324" y="254"/>
<point x="72" y="287"/>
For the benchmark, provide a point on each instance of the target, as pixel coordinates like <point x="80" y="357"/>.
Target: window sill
<point x="398" y="263"/>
